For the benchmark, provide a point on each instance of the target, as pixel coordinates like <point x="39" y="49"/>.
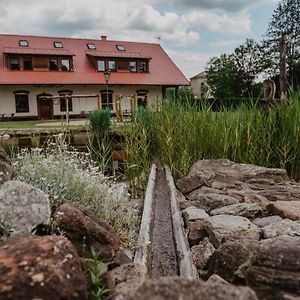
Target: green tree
<point x="249" y="61"/>
<point x="223" y="77"/>
<point x="285" y="21"/>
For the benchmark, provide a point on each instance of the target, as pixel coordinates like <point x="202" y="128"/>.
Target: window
<point x="132" y="66"/>
<point x="143" y="66"/>
<point x="142" y="96"/>
<point x="111" y="65"/>
<point x="14" y="63"/>
<point x="23" y="43"/>
<point x="63" y="106"/>
<point x="65" y="64"/>
<point x="58" y="45"/>
<point x="53" y="64"/>
<point x="107" y="100"/>
<point x="27" y="63"/>
<point x="22" y="103"/>
<point x="91" y="46"/>
<point x="120" y="47"/>
<point x="101" y="65"/>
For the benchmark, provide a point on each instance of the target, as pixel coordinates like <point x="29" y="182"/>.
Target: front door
<point x="45" y="107"/>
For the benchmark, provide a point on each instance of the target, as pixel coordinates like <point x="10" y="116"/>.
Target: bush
<point x="100" y="121"/>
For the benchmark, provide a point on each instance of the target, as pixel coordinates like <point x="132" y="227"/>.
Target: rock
<point x="125" y="277"/>
<point x="230" y="227"/>
<point x="275" y="268"/>
<point x="211" y="201"/>
<point x="216" y="278"/>
<point x="176" y="288"/>
<point x="284" y="227"/>
<point x="201" y="253"/>
<point x="263" y="202"/>
<point x="122" y="258"/>
<point x="247" y="210"/>
<point x="196" y="232"/>
<point x="230" y="259"/>
<point x="261" y="222"/>
<point x="204" y="172"/>
<point x="23" y="206"/>
<point x="40" y="268"/>
<point x="85" y="230"/>
<point x="4" y="157"/>
<point x="193" y="213"/>
<point x="286" y="209"/>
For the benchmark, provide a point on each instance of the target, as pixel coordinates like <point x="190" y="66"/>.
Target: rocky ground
<point x="242" y="224"/>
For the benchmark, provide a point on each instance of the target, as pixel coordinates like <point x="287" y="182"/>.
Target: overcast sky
<point x="190" y="31"/>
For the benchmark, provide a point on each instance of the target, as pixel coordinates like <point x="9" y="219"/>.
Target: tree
<point x="223" y="77"/>
<point x="285" y="21"/>
<point x="250" y="62"/>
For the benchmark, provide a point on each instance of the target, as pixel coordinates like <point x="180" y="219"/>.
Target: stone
<point x="192" y="214"/>
<point x="230" y="227"/>
<point x="262" y="201"/>
<point x="230" y="260"/>
<point x="211" y="201"/>
<point x="45" y="268"/>
<point x="126" y="277"/>
<point x="196" y="232"/>
<point x="85" y="230"/>
<point x="122" y="258"/>
<point x="286" y="209"/>
<point x="217" y="278"/>
<point x="261" y="222"/>
<point x="275" y="269"/>
<point x="4" y="157"/>
<point x="177" y="288"/>
<point x="201" y="253"/>
<point x="284" y="227"/>
<point x="247" y="210"/>
<point x="23" y="207"/>
<point x="204" y="172"/>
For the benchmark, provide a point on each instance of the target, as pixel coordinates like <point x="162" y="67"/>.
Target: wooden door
<point x="45" y="107"/>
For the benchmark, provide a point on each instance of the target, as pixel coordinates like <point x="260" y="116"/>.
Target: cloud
<point x="239" y="24"/>
<point x="225" y="43"/>
<point x="190" y="62"/>
<point x="225" y="5"/>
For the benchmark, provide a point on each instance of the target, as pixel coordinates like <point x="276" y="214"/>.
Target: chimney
<point x="103" y="37"/>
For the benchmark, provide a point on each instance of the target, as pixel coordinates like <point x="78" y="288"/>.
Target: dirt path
<point x="163" y="249"/>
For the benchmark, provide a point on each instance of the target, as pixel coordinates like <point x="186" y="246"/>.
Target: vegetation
<point x="65" y="174"/>
<point x="179" y="136"/>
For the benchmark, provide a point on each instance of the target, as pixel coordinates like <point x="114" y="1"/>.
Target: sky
<point x="190" y="31"/>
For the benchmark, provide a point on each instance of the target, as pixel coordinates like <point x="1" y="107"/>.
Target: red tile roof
<point x="162" y="70"/>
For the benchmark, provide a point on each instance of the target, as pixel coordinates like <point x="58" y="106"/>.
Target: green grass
<point x="33" y="124"/>
<point x="180" y="135"/>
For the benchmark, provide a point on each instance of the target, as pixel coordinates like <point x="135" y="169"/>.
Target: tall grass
<point x="179" y="135"/>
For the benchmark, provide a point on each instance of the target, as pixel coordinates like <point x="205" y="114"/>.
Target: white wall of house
<point x="8" y="105"/>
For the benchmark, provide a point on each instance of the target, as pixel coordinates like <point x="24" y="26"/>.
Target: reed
<point x="179" y="135"/>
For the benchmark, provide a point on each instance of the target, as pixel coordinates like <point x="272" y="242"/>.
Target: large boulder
<point x="231" y="259"/>
<point x="230" y="227"/>
<point x="176" y="288"/>
<point x="284" y="227"/>
<point x="247" y="210"/>
<point x="6" y="170"/>
<point x="204" y="172"/>
<point x="275" y="269"/>
<point x="40" y="268"/>
<point x="262" y="222"/>
<point x="211" y="201"/>
<point x="196" y="232"/>
<point x="286" y="209"/>
<point x="23" y="206"/>
<point x="85" y="230"/>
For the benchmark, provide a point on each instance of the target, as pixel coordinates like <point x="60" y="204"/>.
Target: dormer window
<point x="23" y="43"/>
<point x="120" y="47"/>
<point x="91" y="46"/>
<point x="58" y="45"/>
